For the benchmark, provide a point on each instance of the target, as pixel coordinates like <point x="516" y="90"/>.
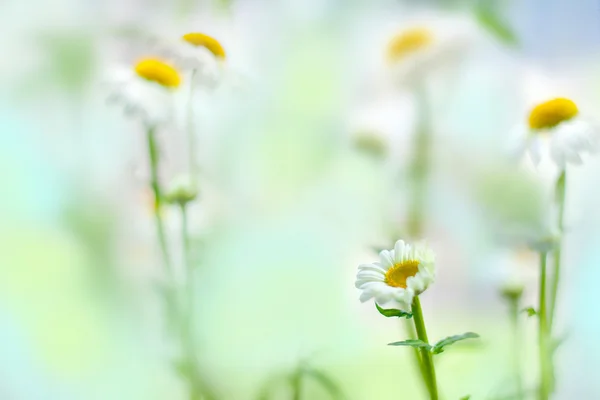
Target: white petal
<point x="365" y="296"/>
<point x="383" y="296"/>
<point x="371" y="267"/>
<point x="399" y="249"/>
<point x="387" y="260"/>
<point x="372" y="289"/>
<point x="535" y="150"/>
<point x="370" y="275"/>
<point x="362" y="283"/>
<point x="415" y="283"/>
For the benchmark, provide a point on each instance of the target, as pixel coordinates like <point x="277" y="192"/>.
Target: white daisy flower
<point x="197" y="52"/>
<point x="401" y="274"/>
<point x="426" y="46"/>
<point x="556" y="127"/>
<point x="146" y="90"/>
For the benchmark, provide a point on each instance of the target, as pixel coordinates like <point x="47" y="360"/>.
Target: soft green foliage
<point x="490" y="18"/>
<point x="439" y="346"/>
<point x="393" y="313"/>
<point x="296" y="380"/>
<point x="530" y="311"/>
<point x="332" y="388"/>
<point x="69" y="60"/>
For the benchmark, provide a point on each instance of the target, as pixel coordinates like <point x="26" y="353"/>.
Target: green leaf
<point x="490" y="20"/>
<point x="467" y="397"/>
<point x="439" y="346"/>
<point x="530" y="311"/>
<point x="393" y="313"/>
<point x="416" y="343"/>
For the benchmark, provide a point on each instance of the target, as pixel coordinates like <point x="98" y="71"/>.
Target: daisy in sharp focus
<point x="399" y="276"/>
<point x="556" y="126"/>
<point x="146" y="89"/>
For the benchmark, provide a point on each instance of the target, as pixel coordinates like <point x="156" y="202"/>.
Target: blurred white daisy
<point x="556" y="126"/>
<point x="426" y="46"/>
<point x="197" y="52"/>
<point x="402" y="273"/>
<point x="145" y="90"/>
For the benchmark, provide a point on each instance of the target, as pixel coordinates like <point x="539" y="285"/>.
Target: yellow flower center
<point x="407" y="42"/>
<point x="211" y="44"/>
<point x="551" y="113"/>
<point x="157" y="71"/>
<point x="400" y="272"/>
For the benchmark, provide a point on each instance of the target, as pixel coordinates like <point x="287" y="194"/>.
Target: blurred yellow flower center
<point x="400" y="272"/>
<point x="408" y="42"/>
<point x="211" y="44"/>
<point x="551" y="113"/>
<point x="159" y="72"/>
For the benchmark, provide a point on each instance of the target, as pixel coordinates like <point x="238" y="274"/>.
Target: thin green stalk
<point x="191" y="132"/>
<point x="296" y="382"/>
<point x="420" y="166"/>
<point x="412" y="334"/>
<point x="189" y="270"/>
<point x="426" y="355"/>
<point x="544" y="388"/>
<point x="419" y="171"/>
<point x="561" y="185"/>
<point x="153" y="153"/>
<point x="199" y="389"/>
<point x="516" y="346"/>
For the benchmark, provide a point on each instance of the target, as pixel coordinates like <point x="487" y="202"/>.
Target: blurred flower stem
<point x="189" y="272"/>
<point x="561" y="184"/>
<point x="296" y="383"/>
<point x="514" y="307"/>
<point x="198" y="388"/>
<point x="419" y="176"/>
<point x="544" y="385"/>
<point x="419" y="170"/>
<point x="426" y="356"/>
<point x="191" y="132"/>
<point x="153" y="153"/>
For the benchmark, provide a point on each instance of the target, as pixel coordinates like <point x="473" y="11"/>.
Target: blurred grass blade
<point x="489" y="18"/>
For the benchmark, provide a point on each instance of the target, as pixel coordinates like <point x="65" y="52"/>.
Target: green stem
<point x="412" y="334"/>
<point x="418" y="175"/>
<point x="189" y="271"/>
<point x="426" y="355"/>
<point x="561" y="184"/>
<point x="516" y="346"/>
<point x="297" y="385"/>
<point x="544" y="388"/>
<point x="193" y="165"/>
<point x="153" y="153"/>
<point x="420" y="166"/>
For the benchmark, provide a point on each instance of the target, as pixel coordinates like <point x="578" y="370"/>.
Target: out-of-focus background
<point x="303" y="152"/>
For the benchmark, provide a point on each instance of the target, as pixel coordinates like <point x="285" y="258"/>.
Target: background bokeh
<point x="289" y="205"/>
